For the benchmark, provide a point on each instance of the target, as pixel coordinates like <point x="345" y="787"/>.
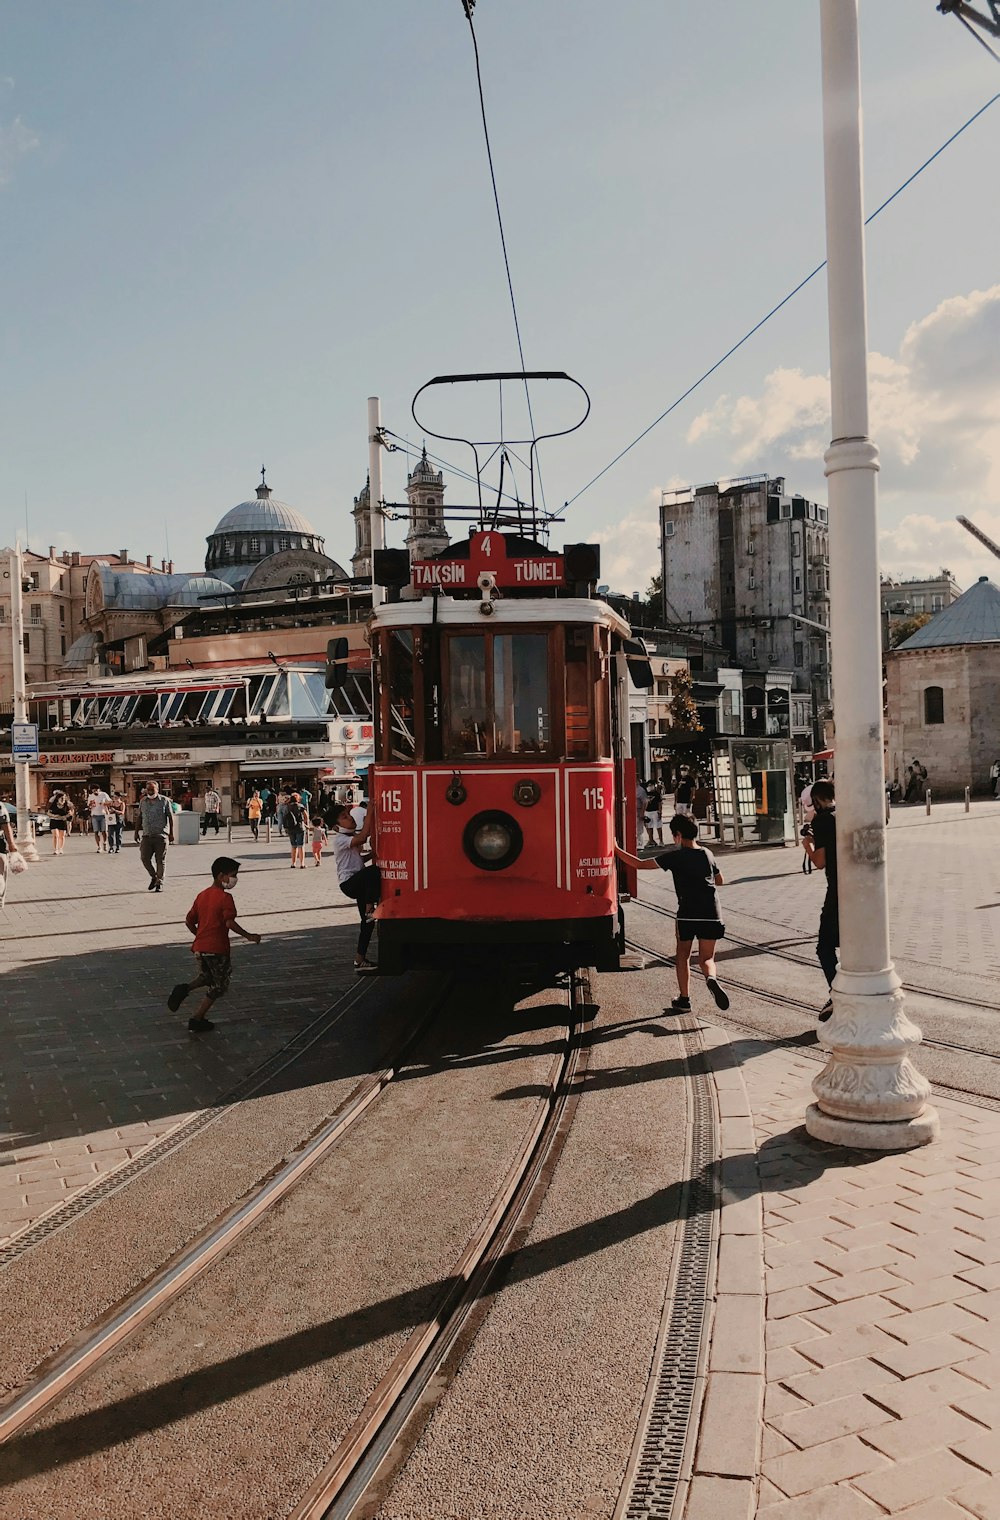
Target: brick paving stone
<point x="923" y="1356"/>
<point x="851" y="1313"/>
<point x="927" y="1476"/>
<point x="982" y="1449"/>
<point x="719" y="1499"/>
<point x="798" y="1472"/>
<point x="793" y="1331"/>
<point x="785" y="1363"/>
<point x="925" y="1393"/>
<point x="862" y="1376"/>
<point x="794" y="1301"/>
<point x="859" y="1284"/>
<point x="838" y="1417"/>
<point x="799" y="1274"/>
<point x="839" y="1502"/>
<point x="986" y="1305"/>
<point x="983" y="1277"/>
<point x="856" y="1343"/>
<point x="982" y="1498"/>
<point x="923" y="1323"/>
<point x="923" y="1295"/>
<point x="729" y="1428"/>
<point x="902" y="1438"/>
<point x="935" y="1509"/>
<point x="983" y="1406"/>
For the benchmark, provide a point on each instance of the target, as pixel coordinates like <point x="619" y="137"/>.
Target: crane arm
<point x="970" y="527"/>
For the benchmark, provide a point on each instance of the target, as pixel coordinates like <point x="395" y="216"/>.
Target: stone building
<point x="425" y="492"/>
<point x="912" y="597"/>
<point x="943" y="695"/>
<point x="264" y="543"/>
<point x="749" y="565"/>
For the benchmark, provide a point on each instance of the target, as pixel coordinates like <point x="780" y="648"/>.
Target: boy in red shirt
<point x="212" y="915"/>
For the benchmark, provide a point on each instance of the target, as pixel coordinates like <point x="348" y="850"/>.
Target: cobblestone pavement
<point x="870" y="1343"/>
<point x="93" y="1066"/>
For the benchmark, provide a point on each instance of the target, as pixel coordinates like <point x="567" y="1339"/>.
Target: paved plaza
<point x="854" y="1362"/>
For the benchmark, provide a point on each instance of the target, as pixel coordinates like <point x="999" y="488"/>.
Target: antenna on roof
<point x="166" y="537"/>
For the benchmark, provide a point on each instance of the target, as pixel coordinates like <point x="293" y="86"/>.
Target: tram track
<point x="91" y="1346"/>
<point x="801" y="960"/>
<point x="361" y="1451"/>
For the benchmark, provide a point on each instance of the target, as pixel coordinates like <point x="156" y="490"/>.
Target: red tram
<point x="501" y="769"/>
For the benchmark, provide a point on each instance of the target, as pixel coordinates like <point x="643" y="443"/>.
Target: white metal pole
<point x="869" y="1094"/>
<point x="25" y="842"/>
<point x="375" y="518"/>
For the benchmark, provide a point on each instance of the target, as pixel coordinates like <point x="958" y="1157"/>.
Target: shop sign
<point x="281" y="752"/>
<point x="77" y="759"/>
<point x="488" y="555"/>
<point x="156" y="756"/>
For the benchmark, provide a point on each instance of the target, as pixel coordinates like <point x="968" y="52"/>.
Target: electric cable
<point x="775" y="309"/>
<point x="468" y="6"/>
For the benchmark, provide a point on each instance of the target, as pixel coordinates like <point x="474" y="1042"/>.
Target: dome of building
<point x="255" y="530"/>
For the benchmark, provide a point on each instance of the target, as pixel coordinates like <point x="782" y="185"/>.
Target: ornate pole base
<point x="27" y="848"/>
<point x="869" y="1094"/>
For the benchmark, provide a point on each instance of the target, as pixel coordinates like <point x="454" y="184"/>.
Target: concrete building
<point x="749" y="564"/>
<point x="909" y="597"/>
<point x="943" y="695"/>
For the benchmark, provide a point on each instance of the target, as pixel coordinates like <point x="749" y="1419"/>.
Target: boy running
<point x="696" y="877"/>
<point x="212" y="915"/>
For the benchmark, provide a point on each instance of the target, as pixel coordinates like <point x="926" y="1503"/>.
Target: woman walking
<point x="8" y="847"/>
<point x="116" y="820"/>
<point x="254" y="809"/>
<point x="61" y="812"/>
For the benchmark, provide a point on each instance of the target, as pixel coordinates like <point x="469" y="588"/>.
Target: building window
<point x="798" y="583"/>
<point x="822" y="514"/>
<point x="255" y="546"/>
<point x="751" y="582"/>
<point x="34" y="580"/>
<point x="827" y="579"/>
<point x="668" y="530"/>
<point x="750" y="546"/>
<point x="798" y="654"/>
<point x="796" y="546"/>
<point x="937" y="602"/>
<point x="918" y="603"/>
<point x="933" y="704"/>
<point x="753" y="649"/>
<point x="27" y="644"/>
<point x="35" y="612"/>
<point x="62" y="615"/>
<point x="62" y="643"/>
<point x="282" y="543"/>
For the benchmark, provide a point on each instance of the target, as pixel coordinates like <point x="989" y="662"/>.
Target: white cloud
<point x="920" y="543"/>
<point x="935" y="410"/>
<point x="16" y="141"/>
<point x="630" y="547"/>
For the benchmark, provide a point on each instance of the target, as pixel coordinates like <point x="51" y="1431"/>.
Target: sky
<point x="225" y="223"/>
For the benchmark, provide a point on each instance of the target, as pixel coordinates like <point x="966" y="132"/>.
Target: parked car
<point x="41" y="821"/>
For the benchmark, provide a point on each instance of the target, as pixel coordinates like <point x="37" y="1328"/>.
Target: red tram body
<point x="500" y="761"/>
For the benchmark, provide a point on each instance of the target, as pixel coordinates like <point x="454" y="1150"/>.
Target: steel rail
<point x="345" y="1480"/>
<point x="801" y="960"/>
<point x="168" y="1283"/>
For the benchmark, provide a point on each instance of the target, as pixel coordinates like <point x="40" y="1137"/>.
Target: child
<point x="212" y="915"/>
<point x="320" y="837"/>
<point x="696" y="877"/>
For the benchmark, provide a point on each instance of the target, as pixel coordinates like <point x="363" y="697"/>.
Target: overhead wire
<point x="468" y="6"/>
<point x="775" y="309"/>
<point x="979" y="38"/>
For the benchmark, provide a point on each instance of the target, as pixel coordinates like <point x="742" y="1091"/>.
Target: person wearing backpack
<point x="295" y="821"/>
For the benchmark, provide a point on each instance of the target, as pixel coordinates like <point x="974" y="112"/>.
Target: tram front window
<point x="468" y="711"/>
<point x="402" y="731"/>
<point x="521" y="692"/>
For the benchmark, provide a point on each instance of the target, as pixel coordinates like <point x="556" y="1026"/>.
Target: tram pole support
<point x="25" y="841"/>
<point x="375" y="518"/>
<point x="869" y="1095"/>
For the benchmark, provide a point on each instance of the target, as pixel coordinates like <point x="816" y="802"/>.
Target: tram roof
<point x="452" y="612"/>
<point x="214" y="678"/>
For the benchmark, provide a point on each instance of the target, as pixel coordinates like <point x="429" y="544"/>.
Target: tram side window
<point x="468" y="710"/>
<point x="521" y="692"/>
<point x="402" y="723"/>
<point x="579" y="683"/>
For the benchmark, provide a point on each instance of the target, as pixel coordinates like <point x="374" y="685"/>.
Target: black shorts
<point x="700" y="928"/>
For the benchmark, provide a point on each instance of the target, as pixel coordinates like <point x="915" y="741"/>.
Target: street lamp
<point x="869" y="1094"/>
<point x="25" y="843"/>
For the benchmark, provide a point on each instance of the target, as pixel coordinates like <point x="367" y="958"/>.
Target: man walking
<point x="97" y="802"/>
<point x="213" y="807"/>
<point x="155" y="823"/>
<point x="821" y="847"/>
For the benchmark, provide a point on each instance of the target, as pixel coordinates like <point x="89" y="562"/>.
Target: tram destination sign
<point x="488" y="556"/>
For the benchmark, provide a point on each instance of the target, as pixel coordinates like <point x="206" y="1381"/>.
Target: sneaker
<point x="177" y="997"/>
<point x="152" y="885"/>
<point x="200" y="1026"/>
<point x="825" y="1011"/>
<point x="719" y="994"/>
<point x="365" y="968"/>
<point x="157" y="886"/>
<point x="681" y="1005"/>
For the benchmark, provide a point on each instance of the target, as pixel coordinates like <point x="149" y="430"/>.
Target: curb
<point x="722" y="1482"/>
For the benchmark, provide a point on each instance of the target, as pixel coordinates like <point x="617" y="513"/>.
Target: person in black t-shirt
<point x="696" y="877"/>
<point x="819" y="840"/>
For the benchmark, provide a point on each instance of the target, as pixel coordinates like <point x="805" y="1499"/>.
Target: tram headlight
<point x="492" y="841"/>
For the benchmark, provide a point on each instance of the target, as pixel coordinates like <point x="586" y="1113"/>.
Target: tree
<point x="682" y="708"/>
<point x="654" y="603"/>
<point x="906" y="627"/>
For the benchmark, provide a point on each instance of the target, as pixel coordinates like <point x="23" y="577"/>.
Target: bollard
<point x="229" y="830"/>
<point x="966" y="799"/>
<point x="927" y="794"/>
<point x="269" y="831"/>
